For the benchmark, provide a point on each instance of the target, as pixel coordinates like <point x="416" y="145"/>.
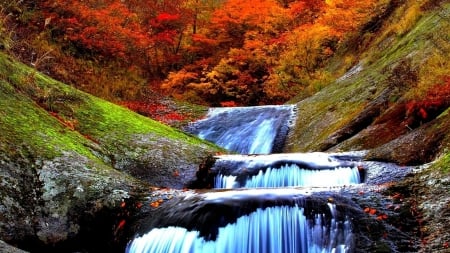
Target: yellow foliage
<point x="177" y="80"/>
<point x="409" y="18"/>
<point x="431" y="73"/>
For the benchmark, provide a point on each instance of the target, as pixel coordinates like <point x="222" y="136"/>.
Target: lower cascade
<point x="285" y="170"/>
<point x="272" y="229"/>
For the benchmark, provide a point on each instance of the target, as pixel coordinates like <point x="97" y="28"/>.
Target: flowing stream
<point x="246" y="130"/>
<point x="261" y="211"/>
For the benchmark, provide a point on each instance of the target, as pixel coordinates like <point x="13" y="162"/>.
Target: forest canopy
<point x="209" y="52"/>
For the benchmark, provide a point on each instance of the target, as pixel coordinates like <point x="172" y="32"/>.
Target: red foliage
<point x="167" y="17"/>
<point x="435" y="102"/>
<point x="71" y="124"/>
<point x="228" y="104"/>
<point x="119" y="226"/>
<point x="158" y="112"/>
<point x="110" y="29"/>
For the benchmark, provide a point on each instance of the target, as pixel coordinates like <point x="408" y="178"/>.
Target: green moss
<point x="22" y="123"/>
<point x="34" y="107"/>
<point x="443" y="164"/>
<point x="100" y="118"/>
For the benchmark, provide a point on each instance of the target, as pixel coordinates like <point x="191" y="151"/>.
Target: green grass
<point x="100" y="118"/>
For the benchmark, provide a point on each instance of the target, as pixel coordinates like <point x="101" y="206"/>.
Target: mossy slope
<point x="49" y="118"/>
<point x="367" y="106"/>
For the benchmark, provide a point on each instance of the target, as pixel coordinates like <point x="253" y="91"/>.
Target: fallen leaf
<point x="154" y="204"/>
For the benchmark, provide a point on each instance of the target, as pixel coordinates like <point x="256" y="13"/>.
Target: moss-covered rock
<point x="66" y="159"/>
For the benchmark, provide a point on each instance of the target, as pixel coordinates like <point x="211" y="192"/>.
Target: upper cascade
<point x="246" y="130"/>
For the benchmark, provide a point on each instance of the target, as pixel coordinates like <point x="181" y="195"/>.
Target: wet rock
<point x="159" y="161"/>
<point x="6" y="248"/>
<point x="53" y="205"/>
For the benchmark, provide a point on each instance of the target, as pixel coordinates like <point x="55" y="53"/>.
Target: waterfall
<point x="293" y="175"/>
<point x="246" y="130"/>
<point x="264" y="217"/>
<point x="284" y="170"/>
<point x="273" y="229"/>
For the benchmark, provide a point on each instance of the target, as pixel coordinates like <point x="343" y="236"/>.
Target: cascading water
<point x="280" y="228"/>
<point x="292" y="175"/>
<point x="284" y="170"/>
<point x="246" y="130"/>
<point x="274" y="229"/>
<point x="255" y="220"/>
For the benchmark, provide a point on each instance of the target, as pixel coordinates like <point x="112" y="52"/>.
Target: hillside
<point x="67" y="157"/>
<point x="399" y="90"/>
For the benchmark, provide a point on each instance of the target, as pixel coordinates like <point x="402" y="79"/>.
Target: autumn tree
<point x="107" y="28"/>
<point x="242" y="34"/>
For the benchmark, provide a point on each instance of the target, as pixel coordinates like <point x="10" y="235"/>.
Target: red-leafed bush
<point x="159" y="112"/>
<point x="435" y="102"/>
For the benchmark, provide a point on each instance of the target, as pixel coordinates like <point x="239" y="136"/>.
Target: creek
<point x="264" y="200"/>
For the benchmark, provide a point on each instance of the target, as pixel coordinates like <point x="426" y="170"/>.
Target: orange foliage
<point x="156" y="203"/>
<point x="109" y="29"/>
<point x="264" y="49"/>
<point x="257" y="52"/>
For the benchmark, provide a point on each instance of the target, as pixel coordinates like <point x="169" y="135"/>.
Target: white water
<point x="274" y="229"/>
<point x="246" y="130"/>
<point x="292" y="175"/>
<point x="314" y="159"/>
<point x="284" y="229"/>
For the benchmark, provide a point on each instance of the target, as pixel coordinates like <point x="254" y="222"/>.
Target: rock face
<point x="74" y="168"/>
<point x="5" y="248"/>
<point x="46" y="202"/>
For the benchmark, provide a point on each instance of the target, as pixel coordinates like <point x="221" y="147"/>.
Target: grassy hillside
<point x="48" y="118"/>
<point x="399" y="85"/>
